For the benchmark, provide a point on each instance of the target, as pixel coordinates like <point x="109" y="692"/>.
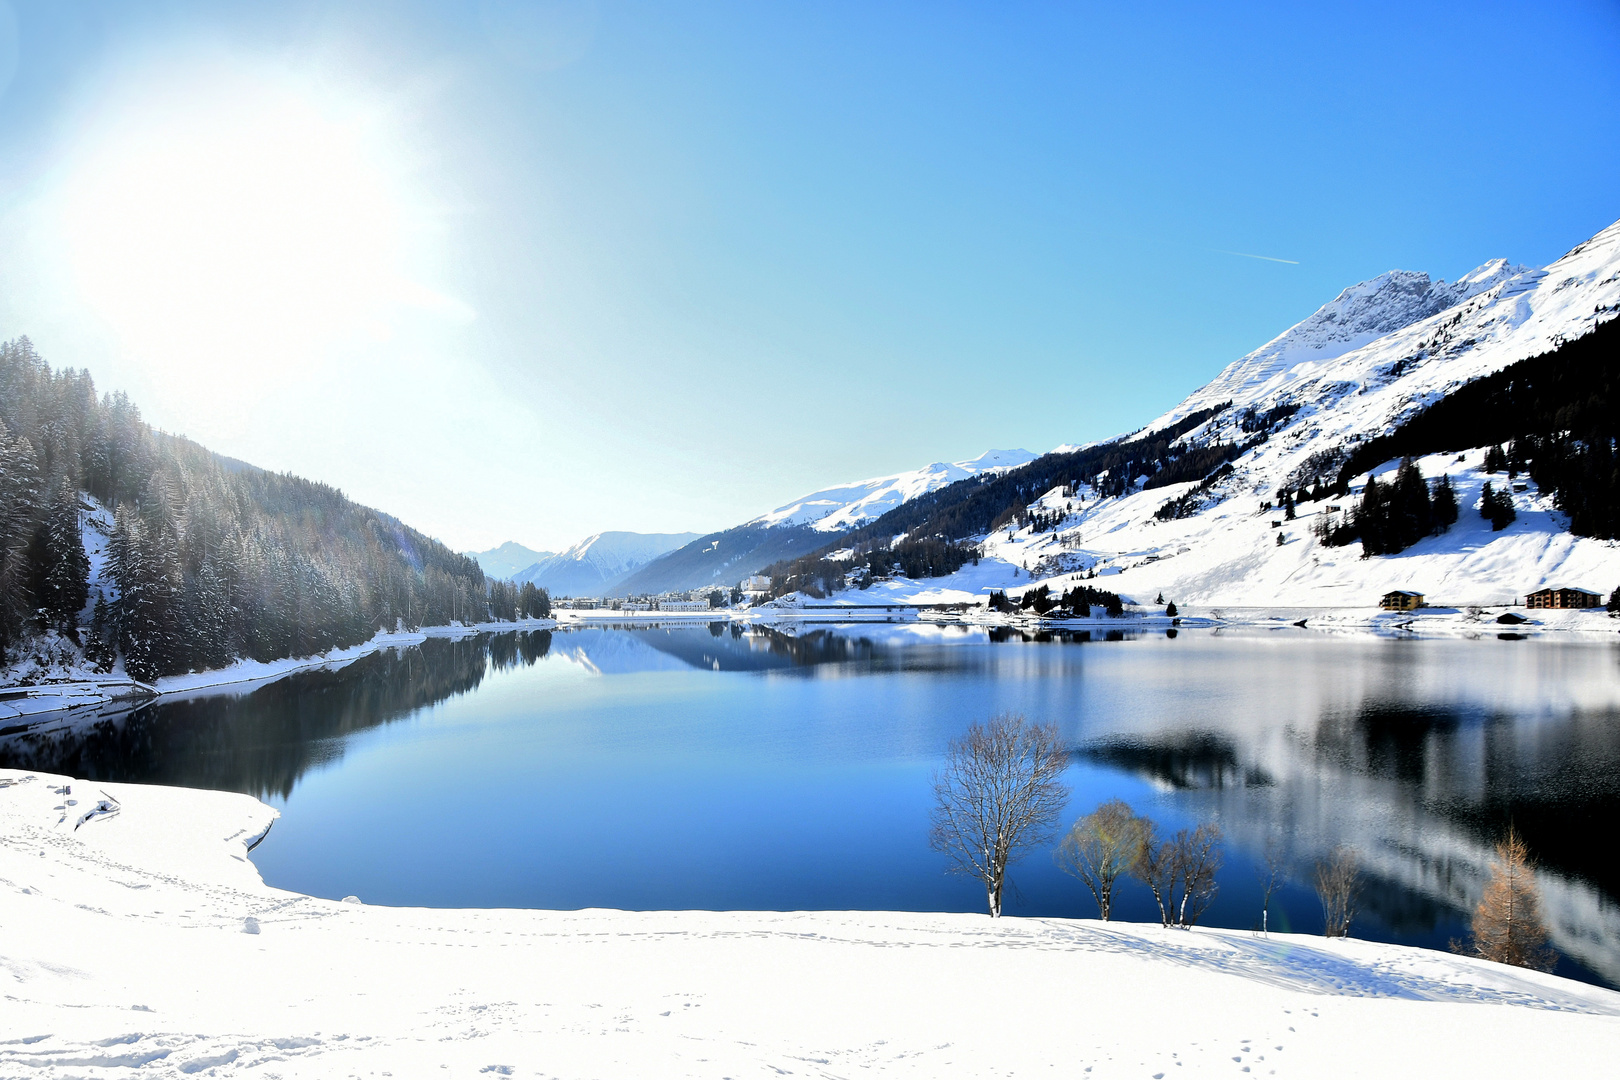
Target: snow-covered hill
<point x="508" y="559"/>
<point x="803" y="525"/>
<point x="1366" y="362"/>
<point x="845" y="506"/>
<point x="597" y="563"/>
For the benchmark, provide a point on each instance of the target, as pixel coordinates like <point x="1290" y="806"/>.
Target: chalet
<point x="1552" y="597"/>
<point x="1401" y="600"/>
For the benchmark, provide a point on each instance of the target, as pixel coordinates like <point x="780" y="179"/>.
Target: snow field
<point x="152" y="948"/>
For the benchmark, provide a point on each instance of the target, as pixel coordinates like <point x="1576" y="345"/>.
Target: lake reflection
<point x="723" y="767"/>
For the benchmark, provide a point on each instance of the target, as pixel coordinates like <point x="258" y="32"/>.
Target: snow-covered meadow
<point x="140" y="941"/>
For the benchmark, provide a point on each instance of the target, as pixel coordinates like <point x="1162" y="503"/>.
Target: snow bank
<point x="152" y="948"/>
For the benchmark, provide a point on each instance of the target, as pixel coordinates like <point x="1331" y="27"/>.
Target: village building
<point x="683" y="605"/>
<point x="1401" y="600"/>
<point x="1554" y="597"/>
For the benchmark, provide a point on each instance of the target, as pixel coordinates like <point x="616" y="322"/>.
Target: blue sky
<point x="529" y="271"/>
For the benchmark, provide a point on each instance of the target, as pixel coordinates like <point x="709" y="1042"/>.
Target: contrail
<point x="1246" y="255"/>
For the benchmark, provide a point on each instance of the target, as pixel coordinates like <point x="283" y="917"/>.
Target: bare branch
<point x="1338" y="884"/>
<point x="997" y="796"/>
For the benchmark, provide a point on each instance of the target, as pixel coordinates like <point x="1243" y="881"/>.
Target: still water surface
<point x="713" y="767"/>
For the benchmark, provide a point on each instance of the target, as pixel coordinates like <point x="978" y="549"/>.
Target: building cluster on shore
<point x="1549" y="597"/>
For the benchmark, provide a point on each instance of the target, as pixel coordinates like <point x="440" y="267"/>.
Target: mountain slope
<point x="508" y="559"/>
<point x="803" y="525"/>
<point x="1355" y="318"/>
<point x="1176" y="507"/>
<point x="210" y="559"/>
<point x="845" y="506"/>
<point x="596" y="564"/>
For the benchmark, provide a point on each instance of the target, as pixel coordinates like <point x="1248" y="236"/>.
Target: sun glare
<point x="240" y="219"/>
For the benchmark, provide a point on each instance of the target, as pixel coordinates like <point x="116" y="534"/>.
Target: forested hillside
<point x="1558" y="413"/>
<point x="932" y="524"/>
<point x="210" y="559"/>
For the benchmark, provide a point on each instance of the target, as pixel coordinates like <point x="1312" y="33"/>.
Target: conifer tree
<point x="1508" y="925"/>
<point x="1444" y="504"/>
<point x="1497" y="508"/>
<point x="63" y="569"/>
<point x="1413" y="516"/>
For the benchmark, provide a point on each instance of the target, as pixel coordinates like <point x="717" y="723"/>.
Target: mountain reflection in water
<point x="789" y="767"/>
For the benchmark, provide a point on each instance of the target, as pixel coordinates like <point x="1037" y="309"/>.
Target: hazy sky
<point x="533" y="270"/>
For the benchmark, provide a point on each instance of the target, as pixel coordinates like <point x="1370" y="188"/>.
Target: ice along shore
<point x="142" y="942"/>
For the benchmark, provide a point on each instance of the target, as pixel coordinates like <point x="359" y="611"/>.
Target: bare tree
<point x="1100" y="847"/>
<point x="1273" y="872"/>
<point x="1155" y="866"/>
<point x="1338" y="884"/>
<point x="1200" y="856"/>
<point x="1180" y="871"/>
<point x="997" y="796"/>
<point x="1508" y="927"/>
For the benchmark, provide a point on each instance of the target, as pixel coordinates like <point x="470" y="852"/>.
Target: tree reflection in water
<point x="261" y="742"/>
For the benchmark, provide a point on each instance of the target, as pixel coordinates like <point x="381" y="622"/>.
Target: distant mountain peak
<point x="845" y="506"/>
<point x="508" y="559"/>
<point x="597" y="563"/>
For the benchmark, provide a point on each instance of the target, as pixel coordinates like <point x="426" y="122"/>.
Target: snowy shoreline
<point x="30" y="703"/>
<point x="155" y="949"/>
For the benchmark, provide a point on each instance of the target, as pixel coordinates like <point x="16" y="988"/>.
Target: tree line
<point x="1557" y="414"/>
<point x="979" y="505"/>
<point x="1075" y="602"/>
<point x="999" y="794"/>
<point x="209" y="559"/>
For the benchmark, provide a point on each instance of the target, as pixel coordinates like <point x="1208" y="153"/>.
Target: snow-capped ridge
<point x="845" y="506"/>
<point x="1357" y="317"/>
<point x="1222" y="538"/>
<point x="508" y="559"/>
<point x="598" y="562"/>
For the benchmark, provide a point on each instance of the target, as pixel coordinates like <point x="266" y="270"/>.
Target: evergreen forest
<point x="208" y="559"/>
<point x="1555" y="413"/>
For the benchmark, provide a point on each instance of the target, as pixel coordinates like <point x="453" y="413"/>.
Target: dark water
<point x="707" y="767"/>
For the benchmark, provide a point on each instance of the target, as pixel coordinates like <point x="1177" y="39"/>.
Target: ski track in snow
<point x="153" y="949"/>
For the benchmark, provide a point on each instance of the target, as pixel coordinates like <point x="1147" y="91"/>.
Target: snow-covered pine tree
<point x="19" y="518"/>
<point x="62" y="570"/>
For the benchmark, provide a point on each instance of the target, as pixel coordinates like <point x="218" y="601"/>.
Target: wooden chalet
<point x="1401" y="600"/>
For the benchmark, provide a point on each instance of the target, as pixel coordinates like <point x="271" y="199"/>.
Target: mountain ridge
<point x="795" y="528"/>
<point x="1172" y="508"/>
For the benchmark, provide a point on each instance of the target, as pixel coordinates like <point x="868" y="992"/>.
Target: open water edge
<point x="722" y="768"/>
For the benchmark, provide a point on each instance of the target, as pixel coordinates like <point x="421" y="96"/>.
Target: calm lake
<point x="723" y="767"/>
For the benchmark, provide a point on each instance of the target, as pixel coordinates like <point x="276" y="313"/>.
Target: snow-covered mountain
<point x="801" y="526"/>
<point x="508" y="559"/>
<point x="598" y="563"/>
<point x="1378" y="354"/>
<point x="1357" y="317"/>
<point x="837" y="509"/>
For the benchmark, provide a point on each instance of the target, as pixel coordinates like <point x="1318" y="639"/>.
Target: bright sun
<point x="234" y="219"/>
